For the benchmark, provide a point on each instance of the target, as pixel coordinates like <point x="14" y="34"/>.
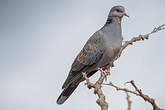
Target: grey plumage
<point x="99" y="52"/>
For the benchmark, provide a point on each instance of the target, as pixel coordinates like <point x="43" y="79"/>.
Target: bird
<point x="99" y="52"/>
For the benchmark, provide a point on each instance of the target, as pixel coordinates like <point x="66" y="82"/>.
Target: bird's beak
<point x="125" y="14"/>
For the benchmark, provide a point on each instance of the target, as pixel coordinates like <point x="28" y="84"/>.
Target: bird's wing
<point x="88" y="56"/>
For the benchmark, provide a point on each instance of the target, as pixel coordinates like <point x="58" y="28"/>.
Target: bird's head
<point x="117" y="11"/>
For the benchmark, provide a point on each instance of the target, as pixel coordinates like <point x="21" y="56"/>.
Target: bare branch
<point x="88" y="83"/>
<point x="138" y="92"/>
<point x="97" y="86"/>
<point x="97" y="90"/>
<point x="145" y="97"/>
<point x="122" y="89"/>
<point x="139" y="38"/>
<point x="128" y="101"/>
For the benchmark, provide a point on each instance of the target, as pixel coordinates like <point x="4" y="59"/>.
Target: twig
<point x="88" y="83"/>
<point x="97" y="86"/>
<point x="122" y="89"/>
<point x="138" y="92"/>
<point x="145" y="97"/>
<point x="139" y="38"/>
<point x="128" y="101"/>
<point x="97" y="90"/>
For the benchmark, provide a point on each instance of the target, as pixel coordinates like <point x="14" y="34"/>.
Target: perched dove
<point x="99" y="52"/>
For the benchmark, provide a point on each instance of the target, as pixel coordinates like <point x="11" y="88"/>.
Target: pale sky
<point x="39" y="40"/>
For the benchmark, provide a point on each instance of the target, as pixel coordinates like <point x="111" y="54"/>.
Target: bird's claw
<point x="102" y="71"/>
<point x="105" y="72"/>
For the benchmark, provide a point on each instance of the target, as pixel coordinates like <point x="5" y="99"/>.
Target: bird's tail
<point x="66" y="93"/>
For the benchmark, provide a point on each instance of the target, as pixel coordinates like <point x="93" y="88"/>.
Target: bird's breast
<point x="111" y="50"/>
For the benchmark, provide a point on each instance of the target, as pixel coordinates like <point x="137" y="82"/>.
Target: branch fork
<point x="101" y="101"/>
<point x="97" y="86"/>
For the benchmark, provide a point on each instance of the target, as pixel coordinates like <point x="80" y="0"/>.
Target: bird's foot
<point x="106" y="72"/>
<point x="102" y="71"/>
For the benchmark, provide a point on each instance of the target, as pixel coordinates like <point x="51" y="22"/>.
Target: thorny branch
<point x="97" y="86"/>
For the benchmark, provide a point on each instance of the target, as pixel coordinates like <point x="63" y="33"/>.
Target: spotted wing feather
<point x="88" y="56"/>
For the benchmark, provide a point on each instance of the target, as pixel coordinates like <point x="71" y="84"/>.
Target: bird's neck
<point x="113" y="24"/>
<point x="112" y="19"/>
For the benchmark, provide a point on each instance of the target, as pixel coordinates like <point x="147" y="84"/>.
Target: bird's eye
<point x="118" y="10"/>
